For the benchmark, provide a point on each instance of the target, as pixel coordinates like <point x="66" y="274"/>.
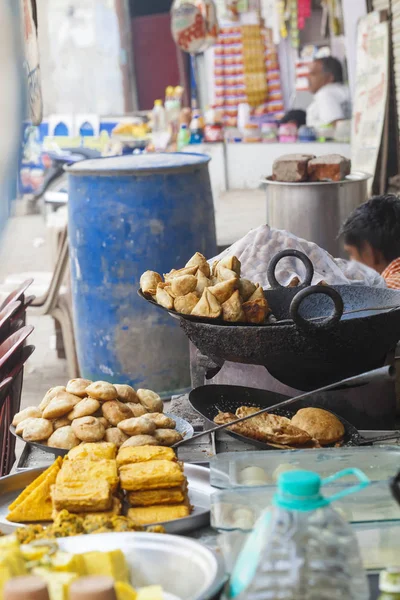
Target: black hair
<point x="333" y="66"/>
<point x="297" y="116"/>
<point x="376" y="222"/>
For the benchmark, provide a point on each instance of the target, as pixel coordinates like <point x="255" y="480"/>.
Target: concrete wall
<point x="81" y="57"/>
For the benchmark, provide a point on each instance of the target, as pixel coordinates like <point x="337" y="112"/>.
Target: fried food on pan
<point x="163" y="297"/>
<point x="246" y="289"/>
<point x="82" y="496"/>
<point x="140" y="440"/>
<point x="126" y="393"/>
<point x="32" y="412"/>
<point x="230" y="262"/>
<point x="88" y="470"/>
<point x="84" y="408"/>
<point x="137" y="410"/>
<point x="180" y="286"/>
<point x="131" y="455"/>
<point x="224" y="274"/>
<point x="34" y="504"/>
<point x="208" y="306"/>
<point x="49" y="395"/>
<point x="162" y="421"/>
<point x="167" y="437"/>
<point x="223" y="290"/>
<point x="256" y="311"/>
<point x="19" y="430"/>
<point x="149" y="281"/>
<point x="179" y="272"/>
<point x="115" y="436"/>
<point x="152" y="475"/>
<point x="232" y="310"/>
<point x="116" y="411"/>
<point x="320" y="424"/>
<point x="88" y="429"/>
<point x="137" y="426"/>
<point x="150" y="400"/>
<point x="200" y="261"/>
<point x="185" y="304"/>
<point x="93" y="451"/>
<point x="63" y="437"/>
<point x="145" y="515"/>
<point x="202" y="283"/>
<point x="37" y="430"/>
<point x="60" y="405"/>
<point x="78" y="387"/>
<point x="102" y="391"/>
<point x="153" y="497"/>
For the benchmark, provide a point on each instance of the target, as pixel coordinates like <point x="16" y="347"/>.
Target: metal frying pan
<point x="210" y="399"/>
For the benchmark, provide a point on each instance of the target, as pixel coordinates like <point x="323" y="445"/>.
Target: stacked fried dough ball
<point x="216" y="292"/>
<point x="86" y="411"/>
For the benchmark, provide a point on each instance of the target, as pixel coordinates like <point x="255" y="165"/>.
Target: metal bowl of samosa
<point x="181" y="566"/>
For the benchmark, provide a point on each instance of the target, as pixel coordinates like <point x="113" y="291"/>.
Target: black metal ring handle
<point x="395" y="487"/>
<point x="324" y="323"/>
<point x="274" y="283"/>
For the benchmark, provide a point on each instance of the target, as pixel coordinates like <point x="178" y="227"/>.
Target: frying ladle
<point x="362" y="379"/>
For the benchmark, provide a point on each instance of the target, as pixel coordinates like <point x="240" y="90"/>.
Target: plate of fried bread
<point x="98" y="487"/>
<point x="86" y="411"/>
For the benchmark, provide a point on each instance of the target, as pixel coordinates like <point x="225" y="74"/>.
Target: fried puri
<point x="145" y="515"/>
<point x="150" y="400"/>
<point x="32" y="412"/>
<point x="115" y="412"/>
<point x="140" y="440"/>
<point x="153" y="475"/>
<point x="102" y="391"/>
<point x="88" y="429"/>
<point x="37" y="430"/>
<point x="167" y="437"/>
<point x="84" y="408"/>
<point x="93" y="451"/>
<point x="78" y="387"/>
<point x="64" y="438"/>
<point x="126" y="393"/>
<point x="174" y="495"/>
<point x="82" y="496"/>
<point x="115" y="436"/>
<point x="162" y="421"/>
<point x="132" y="455"/>
<point x="60" y="405"/>
<point x="49" y="395"/>
<point x="137" y="426"/>
<point x="89" y="470"/>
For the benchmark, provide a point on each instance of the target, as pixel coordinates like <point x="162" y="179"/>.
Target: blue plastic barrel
<point x="128" y="214"/>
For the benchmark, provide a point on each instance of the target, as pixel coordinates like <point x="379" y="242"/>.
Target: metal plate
<point x="200" y="491"/>
<point x="182" y="426"/>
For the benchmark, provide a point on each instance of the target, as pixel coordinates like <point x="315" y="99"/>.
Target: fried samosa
<point x="232" y="309"/>
<point x="225" y="274"/>
<point x="223" y="290"/>
<point x="180" y="272"/>
<point x="198" y="260"/>
<point x="246" y="289"/>
<point x="258" y="294"/>
<point x="208" y="306"/>
<point x="202" y="283"/>
<point x="149" y="282"/>
<point x="256" y="311"/>
<point x="163" y="297"/>
<point x="232" y="263"/>
<point x="185" y="304"/>
<point x="180" y="286"/>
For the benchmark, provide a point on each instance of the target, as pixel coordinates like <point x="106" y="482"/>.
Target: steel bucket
<point x="315" y="210"/>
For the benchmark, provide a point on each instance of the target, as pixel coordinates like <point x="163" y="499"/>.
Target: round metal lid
<point x="139" y="163"/>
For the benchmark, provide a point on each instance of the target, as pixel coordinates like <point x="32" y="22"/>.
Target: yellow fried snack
<point x="115" y="510"/>
<point x="138" y="454"/>
<point x="153" y="475"/>
<point x="36" y="504"/>
<point x="174" y="495"/>
<point x="158" y="514"/>
<point x="93" y="451"/>
<point x="82" y="496"/>
<point x="89" y="470"/>
<point x="35" y="483"/>
<point x="111" y="564"/>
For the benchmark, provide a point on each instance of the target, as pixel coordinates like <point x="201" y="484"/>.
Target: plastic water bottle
<point x="160" y="133"/>
<point x="183" y="137"/>
<point x="302" y="549"/>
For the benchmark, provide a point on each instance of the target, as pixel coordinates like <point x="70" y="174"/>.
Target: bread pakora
<point x="93" y="451"/>
<point x="82" y="496"/>
<point x="157" y="474"/>
<point x="174" y="495"/>
<point x="88" y="470"/>
<point x="145" y="515"/>
<point x="132" y="455"/>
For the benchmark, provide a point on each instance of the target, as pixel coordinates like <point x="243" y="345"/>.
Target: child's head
<point x="371" y="234"/>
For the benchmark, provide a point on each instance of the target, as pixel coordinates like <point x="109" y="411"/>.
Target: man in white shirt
<point x="331" y="101"/>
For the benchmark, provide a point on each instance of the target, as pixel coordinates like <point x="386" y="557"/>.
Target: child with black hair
<point x="371" y="235"/>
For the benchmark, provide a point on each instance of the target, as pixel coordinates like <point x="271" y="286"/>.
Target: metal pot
<point x="315" y="210"/>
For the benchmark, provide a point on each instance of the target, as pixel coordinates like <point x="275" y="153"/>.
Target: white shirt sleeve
<point x="330" y="107"/>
